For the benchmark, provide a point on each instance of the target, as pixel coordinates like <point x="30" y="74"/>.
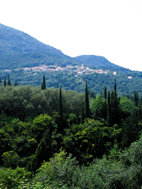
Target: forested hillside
<point x="72" y="81"/>
<point x="18" y="49"/>
<point x="54" y="138"/>
<point x="66" y="122"/>
<point x="25" y="59"/>
<point x="99" y="62"/>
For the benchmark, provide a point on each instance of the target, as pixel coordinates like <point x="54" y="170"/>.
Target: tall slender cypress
<point x="9" y="81"/>
<point x="87" y="111"/>
<point x="114" y="107"/>
<point x="60" y="104"/>
<point x="105" y="93"/>
<point x="43" y="84"/>
<point x="136" y="98"/>
<point x="4" y="82"/>
<point x="105" y="104"/>
<point x="115" y="88"/>
<point x="82" y="114"/>
<point x="140" y="108"/>
<point x="108" y="110"/>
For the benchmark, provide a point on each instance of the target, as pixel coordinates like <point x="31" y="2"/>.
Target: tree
<point x="5" y="142"/>
<point x="136" y="98"/>
<point x="115" y="88"/>
<point x="105" y="104"/>
<point x="43" y="128"/>
<point x="108" y="110"/>
<point x="82" y="114"/>
<point x="115" y="103"/>
<point x="43" y="84"/>
<point x="13" y="178"/>
<point x="98" y="108"/>
<point x="87" y="111"/>
<point x="16" y="83"/>
<point x="5" y="82"/>
<point x="43" y="151"/>
<point x="113" y="107"/>
<point x="140" y="108"/>
<point x="60" y="104"/>
<point x="40" y="124"/>
<point x="127" y="105"/>
<point x="105" y="93"/>
<point x="10" y="159"/>
<point x="9" y="81"/>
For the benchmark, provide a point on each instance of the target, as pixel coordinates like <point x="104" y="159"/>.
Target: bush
<point x="10" y="178"/>
<point x="10" y="159"/>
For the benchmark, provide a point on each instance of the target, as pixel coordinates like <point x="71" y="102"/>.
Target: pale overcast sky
<point x="110" y="28"/>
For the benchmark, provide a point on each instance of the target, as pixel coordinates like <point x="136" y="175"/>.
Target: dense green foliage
<point x="71" y="81"/>
<point x="24" y="101"/>
<point x="56" y="138"/>
<point x="48" y="140"/>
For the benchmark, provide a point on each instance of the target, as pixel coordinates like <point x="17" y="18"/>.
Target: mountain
<point x="18" y="49"/>
<point x="98" y="62"/>
<point x="25" y="59"/>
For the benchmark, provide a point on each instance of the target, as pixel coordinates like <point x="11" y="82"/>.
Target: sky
<point x="109" y="28"/>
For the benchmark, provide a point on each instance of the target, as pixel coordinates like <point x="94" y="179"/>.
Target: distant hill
<point x="25" y="59"/>
<point x="18" y="49"/>
<point x="98" y="62"/>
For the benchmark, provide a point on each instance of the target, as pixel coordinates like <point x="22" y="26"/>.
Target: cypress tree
<point x="136" y="98"/>
<point x="140" y="109"/>
<point x="9" y="81"/>
<point x="105" y="93"/>
<point x="43" y="151"/>
<point x="115" y="88"/>
<point x="5" y="82"/>
<point x="43" y="84"/>
<point x="105" y="104"/>
<point x="82" y="114"/>
<point x="108" y="110"/>
<point x="87" y="111"/>
<point x="60" y="104"/>
<point x="114" y="107"/>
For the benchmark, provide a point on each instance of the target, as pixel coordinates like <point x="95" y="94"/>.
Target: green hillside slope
<point x="25" y="59"/>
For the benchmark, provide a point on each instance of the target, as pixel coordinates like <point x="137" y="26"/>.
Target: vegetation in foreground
<point x="53" y="138"/>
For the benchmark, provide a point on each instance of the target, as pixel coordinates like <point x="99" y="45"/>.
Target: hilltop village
<point x="69" y="68"/>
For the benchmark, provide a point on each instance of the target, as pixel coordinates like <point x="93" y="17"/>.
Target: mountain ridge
<point x="14" y="32"/>
<point x="32" y="58"/>
<point x="24" y="50"/>
<point x="98" y="62"/>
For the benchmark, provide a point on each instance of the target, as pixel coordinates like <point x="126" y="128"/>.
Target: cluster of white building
<point x="54" y="68"/>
